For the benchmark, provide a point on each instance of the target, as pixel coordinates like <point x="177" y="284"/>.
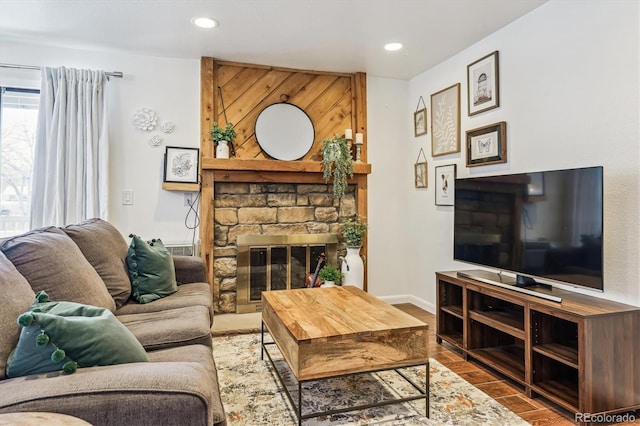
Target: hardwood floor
<point x="538" y="412"/>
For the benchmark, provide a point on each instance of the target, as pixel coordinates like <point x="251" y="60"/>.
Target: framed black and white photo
<point x="181" y="164"/>
<point x="487" y="145"/>
<point x="420" y="122"/>
<point x="483" y="91"/>
<point x="445" y="183"/>
<point x="445" y="121"/>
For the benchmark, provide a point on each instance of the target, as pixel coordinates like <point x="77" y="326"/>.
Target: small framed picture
<point x="445" y="184"/>
<point x="181" y="164"/>
<point x="420" y="175"/>
<point x="487" y="145"/>
<point x="420" y="122"/>
<point x="445" y="121"/>
<point x="483" y="92"/>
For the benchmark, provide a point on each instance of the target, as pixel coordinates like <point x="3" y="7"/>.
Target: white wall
<point x="569" y="92"/>
<point x="171" y="87"/>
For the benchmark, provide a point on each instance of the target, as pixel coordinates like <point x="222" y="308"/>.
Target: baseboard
<point x="409" y="298"/>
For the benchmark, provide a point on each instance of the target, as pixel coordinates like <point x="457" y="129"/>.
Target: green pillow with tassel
<point x="67" y="335"/>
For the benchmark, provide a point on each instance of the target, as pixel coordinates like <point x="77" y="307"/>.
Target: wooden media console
<point x="581" y="353"/>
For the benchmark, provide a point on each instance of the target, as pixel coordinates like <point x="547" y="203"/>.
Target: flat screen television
<point x="545" y="224"/>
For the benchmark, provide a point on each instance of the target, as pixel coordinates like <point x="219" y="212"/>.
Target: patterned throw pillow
<point x="67" y="335"/>
<point x="151" y="270"/>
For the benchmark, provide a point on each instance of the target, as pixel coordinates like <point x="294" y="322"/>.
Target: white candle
<point x="358" y="138"/>
<point x="348" y="134"/>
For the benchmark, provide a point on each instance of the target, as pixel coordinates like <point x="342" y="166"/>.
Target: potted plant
<point x="227" y="136"/>
<point x="330" y="275"/>
<point x="337" y="162"/>
<point x="353" y="231"/>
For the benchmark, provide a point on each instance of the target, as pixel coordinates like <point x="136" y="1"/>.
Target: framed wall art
<point x="445" y="121"/>
<point x="181" y="164"/>
<point x="420" y="176"/>
<point x="483" y="86"/>
<point x="420" y="119"/>
<point x="420" y="122"/>
<point x="487" y="145"/>
<point x="445" y="184"/>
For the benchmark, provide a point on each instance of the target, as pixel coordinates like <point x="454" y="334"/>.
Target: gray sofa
<point x="86" y="263"/>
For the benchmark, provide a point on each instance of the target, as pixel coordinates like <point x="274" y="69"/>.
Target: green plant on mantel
<point x="330" y="273"/>
<point x="337" y="162"/>
<point x="353" y="231"/>
<point x="223" y="134"/>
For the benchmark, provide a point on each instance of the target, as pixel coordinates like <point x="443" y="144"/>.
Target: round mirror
<point x="284" y="131"/>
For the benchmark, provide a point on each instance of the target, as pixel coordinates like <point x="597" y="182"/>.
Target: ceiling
<point x="332" y="35"/>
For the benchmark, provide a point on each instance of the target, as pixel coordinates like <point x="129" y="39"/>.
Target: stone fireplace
<point x="255" y="211"/>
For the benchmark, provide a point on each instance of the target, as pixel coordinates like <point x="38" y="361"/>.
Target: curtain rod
<point x="117" y="74"/>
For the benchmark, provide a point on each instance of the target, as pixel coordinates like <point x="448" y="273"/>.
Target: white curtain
<point x="71" y="151"/>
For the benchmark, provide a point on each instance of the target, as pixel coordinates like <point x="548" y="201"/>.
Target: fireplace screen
<point x="277" y="262"/>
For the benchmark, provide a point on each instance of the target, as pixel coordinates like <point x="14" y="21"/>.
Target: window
<point x="18" y="118"/>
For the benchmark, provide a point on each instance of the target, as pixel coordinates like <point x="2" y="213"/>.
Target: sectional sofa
<point x="86" y="264"/>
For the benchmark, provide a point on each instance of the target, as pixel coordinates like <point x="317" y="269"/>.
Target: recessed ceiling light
<point x="392" y="47"/>
<point x="204" y="22"/>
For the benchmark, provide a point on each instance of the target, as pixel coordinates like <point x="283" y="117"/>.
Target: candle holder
<point x="348" y="136"/>
<point x="359" y="141"/>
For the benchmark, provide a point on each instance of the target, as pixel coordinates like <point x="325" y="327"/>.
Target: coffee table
<point x="336" y="331"/>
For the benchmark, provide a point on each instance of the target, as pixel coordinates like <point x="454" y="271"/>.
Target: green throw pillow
<point x="151" y="270"/>
<point x="66" y="335"/>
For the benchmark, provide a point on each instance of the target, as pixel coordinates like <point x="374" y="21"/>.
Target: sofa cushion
<point x="180" y="389"/>
<point x="86" y="334"/>
<point x="106" y="250"/>
<point x="17" y="297"/>
<point x="52" y="262"/>
<point x="151" y="270"/>
<point x="170" y="328"/>
<point x="192" y="294"/>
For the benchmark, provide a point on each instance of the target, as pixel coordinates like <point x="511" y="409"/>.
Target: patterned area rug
<point x="252" y="394"/>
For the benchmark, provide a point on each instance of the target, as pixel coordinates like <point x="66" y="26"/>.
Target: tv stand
<point x="580" y="354"/>
<point x="523" y="281"/>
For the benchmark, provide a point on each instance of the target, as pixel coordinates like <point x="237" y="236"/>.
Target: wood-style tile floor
<point x="538" y="412"/>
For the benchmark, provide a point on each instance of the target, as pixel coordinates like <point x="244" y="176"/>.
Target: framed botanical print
<point x="181" y="164"/>
<point x="487" y="145"/>
<point x="483" y="85"/>
<point x="420" y="122"/>
<point x="445" y="184"/>
<point x="445" y="121"/>
<point x="420" y="175"/>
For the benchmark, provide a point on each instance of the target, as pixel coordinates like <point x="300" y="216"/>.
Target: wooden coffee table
<point x="336" y="331"/>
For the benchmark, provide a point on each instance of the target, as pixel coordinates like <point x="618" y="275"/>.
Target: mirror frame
<point x="278" y="140"/>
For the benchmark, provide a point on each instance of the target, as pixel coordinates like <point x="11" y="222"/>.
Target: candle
<point x="358" y="138"/>
<point x="348" y="134"/>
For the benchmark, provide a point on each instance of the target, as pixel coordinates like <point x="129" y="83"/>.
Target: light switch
<point x="127" y="197"/>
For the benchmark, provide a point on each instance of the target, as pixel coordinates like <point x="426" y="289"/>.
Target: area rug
<point x="252" y="394"/>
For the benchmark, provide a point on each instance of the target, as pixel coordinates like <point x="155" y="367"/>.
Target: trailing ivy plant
<point x="337" y="162"/>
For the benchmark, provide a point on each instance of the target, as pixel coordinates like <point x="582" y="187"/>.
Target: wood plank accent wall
<point x="333" y="101"/>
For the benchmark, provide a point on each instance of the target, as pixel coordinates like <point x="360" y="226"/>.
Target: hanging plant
<point x="337" y="162"/>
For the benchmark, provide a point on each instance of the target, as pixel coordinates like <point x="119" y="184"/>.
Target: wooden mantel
<point x="236" y="164"/>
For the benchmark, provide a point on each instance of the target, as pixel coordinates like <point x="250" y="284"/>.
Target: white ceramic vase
<point x="222" y="151"/>
<point x="353" y="268"/>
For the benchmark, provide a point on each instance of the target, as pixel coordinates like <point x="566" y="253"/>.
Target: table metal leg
<point x="262" y="343"/>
